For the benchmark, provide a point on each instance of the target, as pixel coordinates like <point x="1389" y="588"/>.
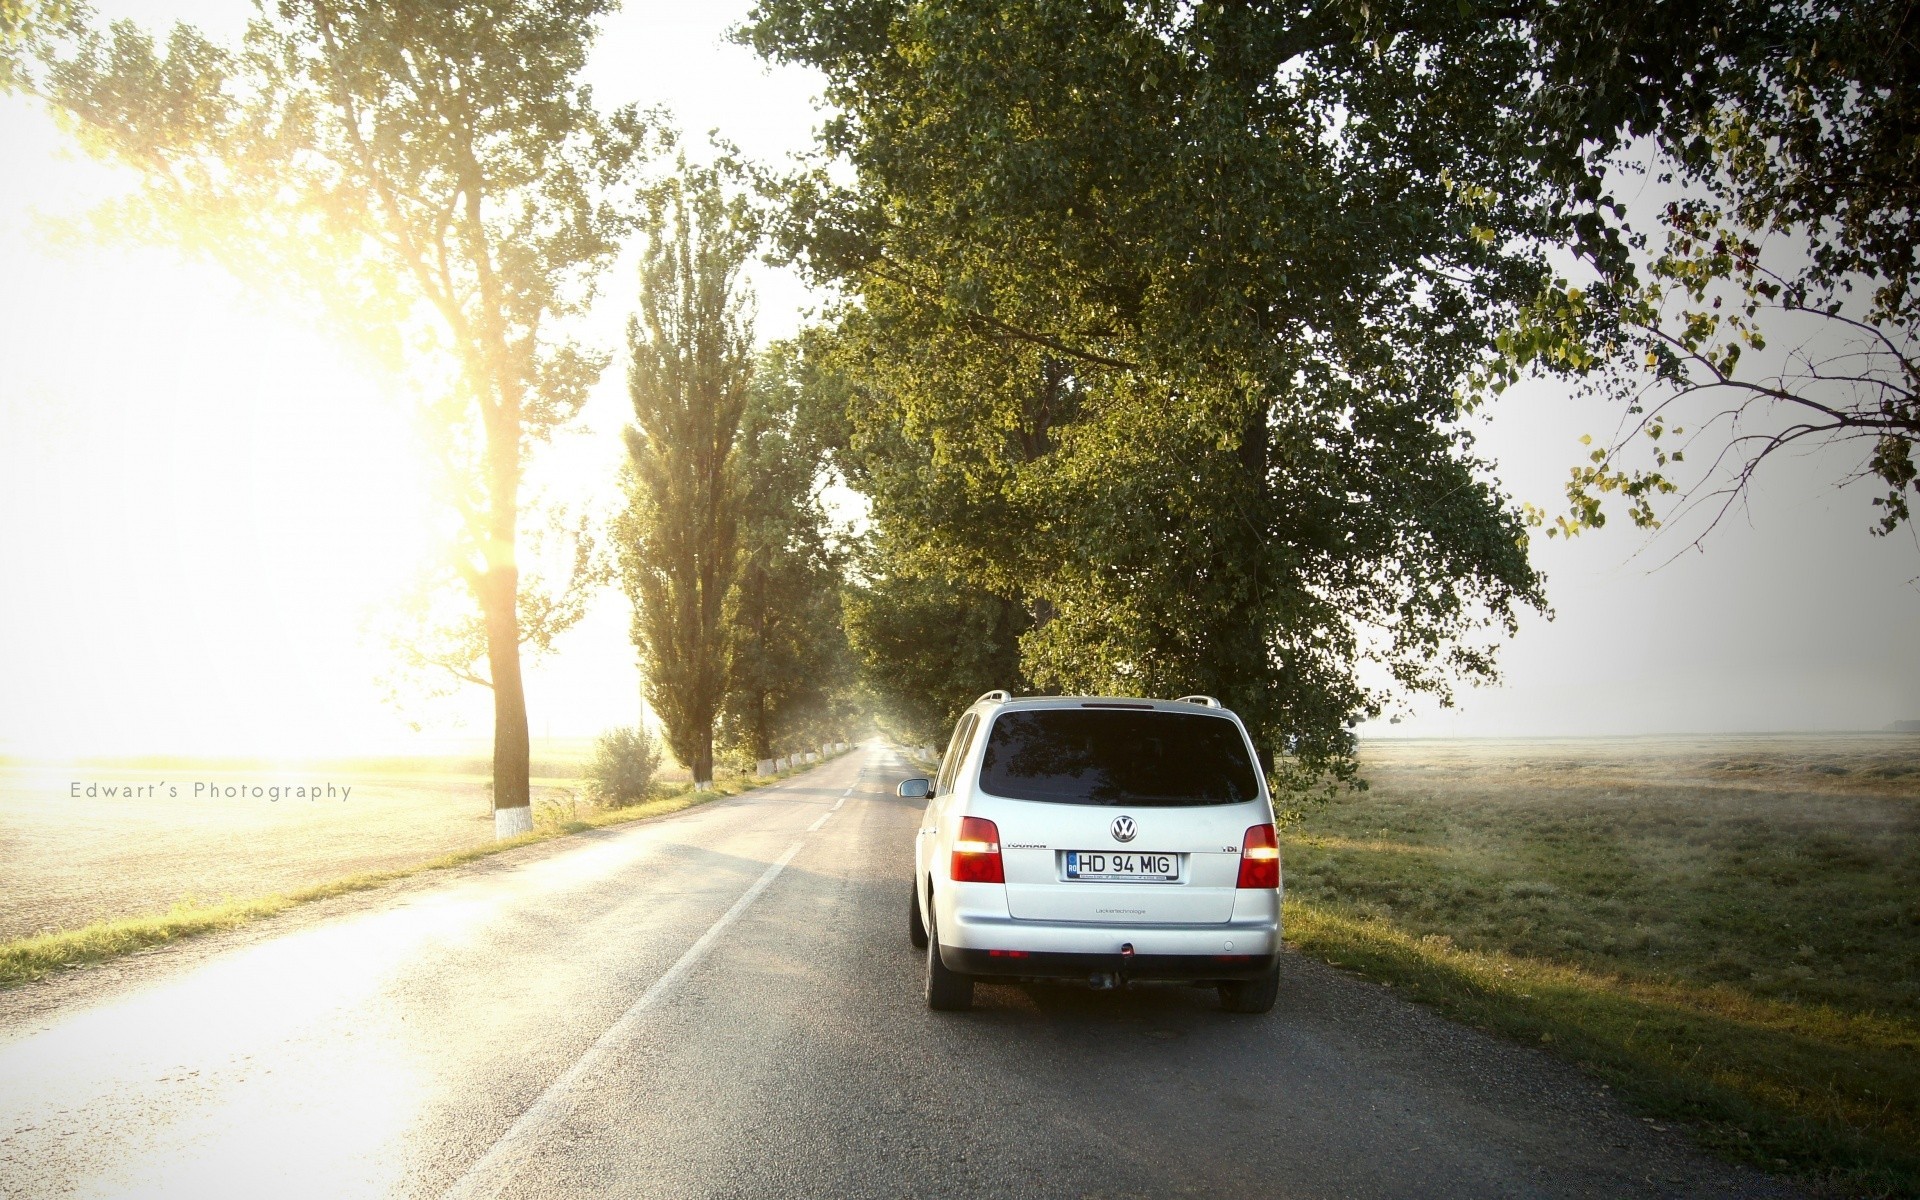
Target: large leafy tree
<point x="1156" y="317"/>
<point x="680" y="538"/>
<point x="436" y="177"/>
<point x="790" y="669"/>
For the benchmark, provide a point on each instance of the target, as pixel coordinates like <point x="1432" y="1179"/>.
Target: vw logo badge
<point x="1123" y="829"/>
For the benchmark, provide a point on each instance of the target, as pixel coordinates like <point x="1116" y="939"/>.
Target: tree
<point x="1796" y="228"/>
<point x="924" y="643"/>
<point x="436" y="177"/>
<point x="790" y="665"/>
<point x="691" y="345"/>
<point x="1163" y="317"/>
<point x="1155" y="319"/>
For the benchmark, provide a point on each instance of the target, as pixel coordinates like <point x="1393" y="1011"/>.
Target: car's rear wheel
<point x="916" y="928"/>
<point x="947" y="991"/>
<point x="1251" y="996"/>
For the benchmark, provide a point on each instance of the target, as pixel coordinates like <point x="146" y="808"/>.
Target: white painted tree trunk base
<point x="703" y="785"/>
<point x="512" y="822"/>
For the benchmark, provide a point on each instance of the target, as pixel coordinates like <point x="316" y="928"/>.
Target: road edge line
<point x="495" y="1169"/>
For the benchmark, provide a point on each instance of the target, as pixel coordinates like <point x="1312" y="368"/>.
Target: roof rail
<point x="1202" y="701"/>
<point x="995" y="694"/>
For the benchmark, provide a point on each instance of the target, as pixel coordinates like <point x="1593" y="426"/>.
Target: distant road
<point x="723" y="1003"/>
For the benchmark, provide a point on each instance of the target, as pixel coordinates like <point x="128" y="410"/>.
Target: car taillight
<point x="1260" y="858"/>
<point x="976" y="852"/>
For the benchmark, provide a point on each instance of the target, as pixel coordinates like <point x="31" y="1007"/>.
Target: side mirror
<point x="914" y="789"/>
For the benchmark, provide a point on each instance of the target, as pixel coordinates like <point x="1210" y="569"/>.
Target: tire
<point x="916" y="929"/>
<point x="947" y="991"/>
<point x="1251" y="996"/>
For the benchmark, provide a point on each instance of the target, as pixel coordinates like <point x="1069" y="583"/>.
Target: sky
<point x="205" y="503"/>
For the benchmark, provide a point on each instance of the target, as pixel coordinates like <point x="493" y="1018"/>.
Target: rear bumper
<point x="987" y="943"/>
<point x="1024" y="964"/>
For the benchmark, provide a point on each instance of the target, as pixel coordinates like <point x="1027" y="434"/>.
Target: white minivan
<point x="1103" y="839"/>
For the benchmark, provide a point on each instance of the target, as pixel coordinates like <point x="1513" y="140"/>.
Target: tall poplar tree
<point x="691" y="345"/>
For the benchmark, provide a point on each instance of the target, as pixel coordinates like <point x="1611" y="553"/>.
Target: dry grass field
<point x="67" y="860"/>
<point x="103" y="860"/>
<point x="1726" y="929"/>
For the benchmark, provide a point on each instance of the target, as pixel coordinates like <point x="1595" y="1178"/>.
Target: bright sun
<point x="202" y="497"/>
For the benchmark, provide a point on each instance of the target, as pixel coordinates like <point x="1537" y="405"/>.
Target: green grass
<point x="26" y="959"/>
<point x="1741" y="953"/>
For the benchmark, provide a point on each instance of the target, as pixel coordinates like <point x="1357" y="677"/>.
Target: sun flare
<point x="205" y="495"/>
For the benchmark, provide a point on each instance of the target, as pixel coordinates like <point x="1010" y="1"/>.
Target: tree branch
<point x="1006" y="330"/>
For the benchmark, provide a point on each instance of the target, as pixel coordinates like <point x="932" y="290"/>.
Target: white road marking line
<point x="822" y="821"/>
<point x="838" y="803"/>
<point x="497" y="1166"/>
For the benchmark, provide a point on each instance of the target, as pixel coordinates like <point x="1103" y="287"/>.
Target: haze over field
<point x="202" y="502"/>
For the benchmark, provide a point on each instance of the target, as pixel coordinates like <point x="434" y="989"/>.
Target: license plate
<point x="1130" y="866"/>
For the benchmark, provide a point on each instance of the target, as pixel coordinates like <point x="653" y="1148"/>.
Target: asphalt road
<point x="724" y="1003"/>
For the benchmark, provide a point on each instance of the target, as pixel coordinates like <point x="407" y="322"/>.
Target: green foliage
<point x="445" y="158"/>
<point x="791" y="672"/>
<point x="25" y="26"/>
<point x="624" y="763"/>
<point x="1155" y="320"/>
<point x="1673" y="345"/>
<point x="928" y="646"/>
<point x="679" y="551"/>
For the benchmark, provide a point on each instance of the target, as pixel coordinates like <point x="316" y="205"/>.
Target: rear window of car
<point x="1106" y="756"/>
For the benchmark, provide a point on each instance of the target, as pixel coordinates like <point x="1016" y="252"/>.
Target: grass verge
<point x="1729" y="940"/>
<point x="24" y="960"/>
<point x="1826" y="1094"/>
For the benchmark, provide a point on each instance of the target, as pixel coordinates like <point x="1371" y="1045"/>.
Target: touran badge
<point x="1123" y="829"/>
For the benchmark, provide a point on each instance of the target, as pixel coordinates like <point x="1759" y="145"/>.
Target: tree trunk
<point x="762" y="742"/>
<point x="512" y="790"/>
<point x="1246" y="636"/>
<point x="702" y="764"/>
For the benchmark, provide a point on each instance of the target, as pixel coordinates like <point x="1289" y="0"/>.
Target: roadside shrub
<point x="733" y="760"/>
<point x="623" y="766"/>
<point x="556" y="811"/>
